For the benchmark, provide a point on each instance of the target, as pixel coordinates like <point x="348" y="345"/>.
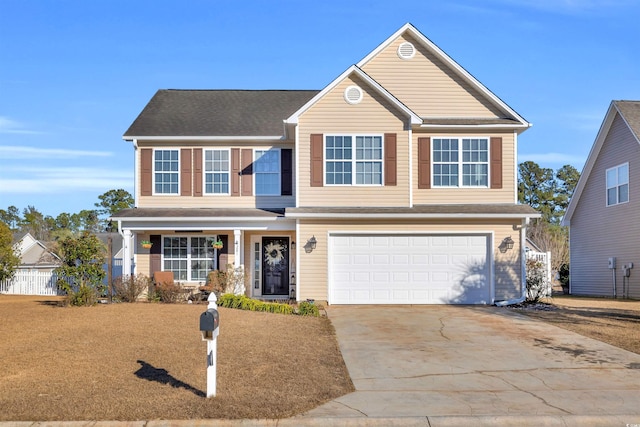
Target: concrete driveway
<point x="449" y="363"/>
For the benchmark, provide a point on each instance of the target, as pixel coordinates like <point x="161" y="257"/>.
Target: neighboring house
<point x="34" y="275"/>
<point x="602" y="213"/>
<point x="395" y="184"/>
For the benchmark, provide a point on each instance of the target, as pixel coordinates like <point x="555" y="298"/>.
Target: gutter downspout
<point x="523" y="274"/>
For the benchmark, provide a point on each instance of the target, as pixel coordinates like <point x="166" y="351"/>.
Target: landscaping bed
<point x="146" y="361"/>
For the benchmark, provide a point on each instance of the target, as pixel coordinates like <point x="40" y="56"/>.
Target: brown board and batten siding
<point x="598" y="231"/>
<point x="425" y="84"/>
<point x="313" y="268"/>
<point x="191" y="192"/>
<point x="502" y="182"/>
<point x="332" y="115"/>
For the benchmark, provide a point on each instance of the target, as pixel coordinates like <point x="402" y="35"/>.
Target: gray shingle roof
<point x="631" y="112"/>
<point x="217" y="112"/>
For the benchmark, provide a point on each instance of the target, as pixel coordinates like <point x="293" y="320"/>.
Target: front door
<point x="275" y="266"/>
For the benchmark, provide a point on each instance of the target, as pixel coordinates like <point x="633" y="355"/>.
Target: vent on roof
<point x="353" y="94"/>
<point x="406" y="50"/>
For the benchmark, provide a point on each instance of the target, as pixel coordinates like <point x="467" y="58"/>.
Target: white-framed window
<point x="166" y="171"/>
<point x="347" y="163"/>
<point x="266" y="172"/>
<point x="460" y="162"/>
<point x="189" y="258"/>
<point x="216" y="171"/>
<point x="618" y="184"/>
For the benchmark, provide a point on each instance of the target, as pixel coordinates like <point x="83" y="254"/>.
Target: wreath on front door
<point x="274" y="253"/>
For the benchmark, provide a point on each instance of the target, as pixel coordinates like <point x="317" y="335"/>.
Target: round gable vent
<point x="406" y="50"/>
<point x="353" y="94"/>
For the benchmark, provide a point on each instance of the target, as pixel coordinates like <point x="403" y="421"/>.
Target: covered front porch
<point x="191" y="243"/>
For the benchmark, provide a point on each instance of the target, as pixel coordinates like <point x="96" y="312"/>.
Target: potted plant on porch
<point x="217" y="244"/>
<point x="146" y="244"/>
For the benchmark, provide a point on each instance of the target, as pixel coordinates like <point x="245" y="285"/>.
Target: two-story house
<point x="395" y="184"/>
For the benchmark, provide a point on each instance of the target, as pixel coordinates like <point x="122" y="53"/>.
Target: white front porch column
<point x="127" y="252"/>
<point x="237" y="238"/>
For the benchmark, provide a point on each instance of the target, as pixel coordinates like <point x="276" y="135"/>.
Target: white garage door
<point x="409" y="269"/>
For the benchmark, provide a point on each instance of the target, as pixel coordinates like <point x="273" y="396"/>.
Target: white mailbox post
<point x="209" y="321"/>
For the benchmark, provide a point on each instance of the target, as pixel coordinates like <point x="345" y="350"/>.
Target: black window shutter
<point x="286" y="172"/>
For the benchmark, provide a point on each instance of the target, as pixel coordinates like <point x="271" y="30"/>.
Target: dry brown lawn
<point x="616" y="322"/>
<point x="147" y="361"/>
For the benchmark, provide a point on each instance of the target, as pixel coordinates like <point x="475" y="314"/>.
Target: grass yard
<point x="147" y="361"/>
<point x="616" y="322"/>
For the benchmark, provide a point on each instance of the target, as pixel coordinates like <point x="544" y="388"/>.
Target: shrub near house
<point x="80" y="275"/>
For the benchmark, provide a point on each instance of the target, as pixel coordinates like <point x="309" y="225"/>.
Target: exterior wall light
<point x="311" y="244"/>
<point x="506" y="245"/>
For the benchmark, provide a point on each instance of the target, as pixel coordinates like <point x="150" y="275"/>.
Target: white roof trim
<point x="203" y="138"/>
<point x="605" y="127"/>
<point x="415" y="119"/>
<point x="408" y="215"/>
<point x="203" y="219"/>
<point x="447" y="60"/>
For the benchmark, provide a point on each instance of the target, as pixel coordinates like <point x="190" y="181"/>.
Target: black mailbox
<point x="209" y="322"/>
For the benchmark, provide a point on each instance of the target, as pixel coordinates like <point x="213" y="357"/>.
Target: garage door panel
<point x="440" y="259"/>
<point x="381" y="259"/>
<point x="400" y="259"/>
<point x="361" y="260"/>
<point x="409" y="269"/>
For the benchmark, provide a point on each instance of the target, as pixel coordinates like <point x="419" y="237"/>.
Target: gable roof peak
<point x="629" y="111"/>
<point x="354" y="69"/>
<point x="426" y="43"/>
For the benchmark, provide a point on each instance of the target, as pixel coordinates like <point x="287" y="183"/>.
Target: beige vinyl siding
<point x="426" y="85"/>
<point x="313" y="274"/>
<point x="597" y="231"/>
<point x="212" y="200"/>
<point x="374" y="115"/>
<point x="448" y="195"/>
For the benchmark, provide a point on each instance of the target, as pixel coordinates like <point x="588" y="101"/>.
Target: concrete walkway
<point x="446" y="364"/>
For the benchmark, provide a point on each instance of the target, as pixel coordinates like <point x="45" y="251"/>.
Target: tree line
<point x="548" y="192"/>
<point x="47" y="228"/>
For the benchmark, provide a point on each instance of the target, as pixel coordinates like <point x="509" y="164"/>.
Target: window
<point x="618" y="184"/>
<point x="175" y="257"/>
<point x="165" y="171"/>
<point x="216" y="171"/>
<point x="189" y="258"/>
<point x="341" y="160"/>
<point x="202" y="254"/>
<point x="266" y="169"/>
<point x="453" y="155"/>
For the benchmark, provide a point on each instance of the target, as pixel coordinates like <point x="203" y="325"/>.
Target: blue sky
<point x="75" y="74"/>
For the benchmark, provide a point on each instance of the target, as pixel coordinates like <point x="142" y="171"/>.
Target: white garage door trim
<point x="447" y="285"/>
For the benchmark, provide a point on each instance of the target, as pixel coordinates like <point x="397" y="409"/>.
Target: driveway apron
<point x="430" y="361"/>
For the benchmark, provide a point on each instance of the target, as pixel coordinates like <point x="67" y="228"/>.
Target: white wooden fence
<point x="545" y="259"/>
<point x="33" y="282"/>
<point x="30" y="282"/>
